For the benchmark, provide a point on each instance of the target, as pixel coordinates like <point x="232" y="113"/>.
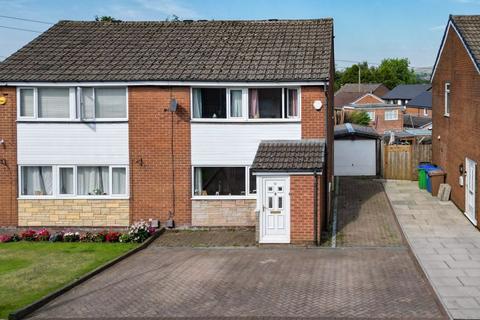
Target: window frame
<point x="247" y="194"/>
<point x="75" y="107"/>
<point x="447" y="98"/>
<point x="393" y="119"/>
<point x="245" y="104"/>
<point x="56" y="182"/>
<point x="373" y="113"/>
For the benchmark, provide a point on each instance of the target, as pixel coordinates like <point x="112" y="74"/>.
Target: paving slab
<point x="451" y="259"/>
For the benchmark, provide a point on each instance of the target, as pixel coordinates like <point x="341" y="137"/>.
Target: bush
<point x="29" y="235"/>
<point x="358" y="117"/>
<point x="71" y="236"/>
<point x="5" y="238"/>
<point x="101" y="236"/>
<point x="43" y="235"/>
<point x="124" y="238"/>
<point x="56" y="237"/>
<point x="139" y="231"/>
<point x="87" y="237"/>
<point x="112" y="236"/>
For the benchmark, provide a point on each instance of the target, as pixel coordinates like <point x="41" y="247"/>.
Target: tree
<point x="391" y="72"/>
<point x="106" y="19"/>
<point x="173" y="17"/>
<point x="358" y="117"/>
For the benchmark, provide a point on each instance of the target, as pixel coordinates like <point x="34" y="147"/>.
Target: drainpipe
<point x="326" y="157"/>
<point x="315" y="206"/>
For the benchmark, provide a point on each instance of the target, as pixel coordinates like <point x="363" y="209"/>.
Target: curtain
<point x="92" y="180"/>
<point x="66" y="180"/>
<point x="236" y="103"/>
<point x="293" y="102"/>
<point x="198" y="181"/>
<point x="110" y="103"/>
<point x="253" y="103"/>
<point x="197" y="103"/>
<point x="26" y="102"/>
<point x="87" y="103"/>
<point x="37" y="181"/>
<point x="119" y="181"/>
<point x="53" y="102"/>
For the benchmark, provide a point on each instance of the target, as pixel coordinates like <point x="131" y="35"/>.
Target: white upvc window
<point x="245" y="104"/>
<point x="391" y="115"/>
<point x="223" y="182"/>
<point x="371" y="115"/>
<point x="72" y="103"/>
<point x="425" y="112"/>
<point x="447" y="99"/>
<point x="69" y="181"/>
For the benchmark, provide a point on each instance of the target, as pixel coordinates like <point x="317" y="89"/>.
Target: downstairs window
<point x="219" y="181"/>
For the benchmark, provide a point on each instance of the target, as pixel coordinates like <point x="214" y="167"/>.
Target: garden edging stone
<point x="25" y="311"/>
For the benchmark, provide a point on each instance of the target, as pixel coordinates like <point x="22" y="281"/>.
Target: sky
<point x="365" y="30"/>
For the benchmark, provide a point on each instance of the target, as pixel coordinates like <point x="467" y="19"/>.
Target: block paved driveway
<point x="369" y="282"/>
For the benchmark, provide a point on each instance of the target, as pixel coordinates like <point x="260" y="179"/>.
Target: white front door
<point x="275" y="210"/>
<point x="470" y="183"/>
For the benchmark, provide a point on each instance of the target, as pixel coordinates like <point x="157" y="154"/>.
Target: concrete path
<point x="445" y="243"/>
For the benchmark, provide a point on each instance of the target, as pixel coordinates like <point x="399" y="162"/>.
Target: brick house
<point x="384" y="117"/>
<point x="107" y="123"/>
<point x="403" y="93"/>
<point x="421" y="105"/>
<point x="455" y="99"/>
<point x="350" y="92"/>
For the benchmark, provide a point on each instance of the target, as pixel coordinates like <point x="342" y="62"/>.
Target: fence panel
<point x="400" y="161"/>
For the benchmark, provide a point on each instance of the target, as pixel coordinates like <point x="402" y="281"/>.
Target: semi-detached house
<point x="213" y="123"/>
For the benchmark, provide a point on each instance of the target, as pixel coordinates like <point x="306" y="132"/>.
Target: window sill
<point x="447" y="115"/>
<point x="249" y="197"/>
<point x="73" y="198"/>
<point x="245" y="120"/>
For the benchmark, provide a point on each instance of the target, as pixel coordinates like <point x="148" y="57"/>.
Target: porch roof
<point x="305" y="155"/>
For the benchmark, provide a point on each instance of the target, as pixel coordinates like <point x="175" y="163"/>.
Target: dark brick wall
<point x="150" y="129"/>
<point x="456" y="137"/>
<point x="417" y="112"/>
<point x="8" y="156"/>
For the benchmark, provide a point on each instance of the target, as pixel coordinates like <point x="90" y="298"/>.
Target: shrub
<point x="139" y="231"/>
<point x="71" y="236"/>
<point x="56" y="237"/>
<point x="15" y="238"/>
<point x="29" y="235"/>
<point x="87" y="237"/>
<point x="358" y="117"/>
<point x="5" y="238"/>
<point x="43" y="235"/>
<point x="112" y="236"/>
<point x="101" y="236"/>
<point x="124" y="238"/>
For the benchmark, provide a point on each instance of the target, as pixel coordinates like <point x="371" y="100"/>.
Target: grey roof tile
<point x="289" y="156"/>
<point x="469" y="28"/>
<point x="283" y="50"/>
<point x="407" y="91"/>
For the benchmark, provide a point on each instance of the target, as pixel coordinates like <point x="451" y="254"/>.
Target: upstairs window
<point x="391" y="115"/>
<point x="27" y="103"/>
<point x="103" y="103"/>
<point x="53" y="103"/>
<point x="242" y="103"/>
<point x="209" y="103"/>
<point x="447" y="99"/>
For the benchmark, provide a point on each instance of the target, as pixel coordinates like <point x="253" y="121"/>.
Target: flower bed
<point x="137" y="232"/>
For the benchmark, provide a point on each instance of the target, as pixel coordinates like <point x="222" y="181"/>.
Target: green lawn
<point x="31" y="270"/>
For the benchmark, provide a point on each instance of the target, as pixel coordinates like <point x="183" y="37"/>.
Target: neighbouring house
<point x="421" y="105"/>
<point x="455" y="101"/>
<point x="384" y="117"/>
<point x="417" y="122"/>
<point x="357" y="150"/>
<point x="107" y="123"/>
<point x="402" y="94"/>
<point x="350" y="92"/>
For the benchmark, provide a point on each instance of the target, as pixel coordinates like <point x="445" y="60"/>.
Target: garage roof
<point x="352" y="130"/>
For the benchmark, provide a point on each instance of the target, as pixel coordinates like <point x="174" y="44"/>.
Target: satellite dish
<point x="173" y="105"/>
<point x="317" y="104"/>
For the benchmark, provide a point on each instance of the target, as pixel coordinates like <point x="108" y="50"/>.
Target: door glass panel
<point x="270" y="202"/>
<point x="280" y="202"/>
<point x="270" y="189"/>
<point x="280" y="188"/>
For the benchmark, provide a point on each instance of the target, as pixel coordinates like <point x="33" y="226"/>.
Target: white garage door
<point x="355" y="158"/>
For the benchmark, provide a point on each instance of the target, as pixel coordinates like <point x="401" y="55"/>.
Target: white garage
<point x="355" y="150"/>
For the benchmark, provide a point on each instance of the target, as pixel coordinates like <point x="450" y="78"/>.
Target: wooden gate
<point x="400" y="161"/>
<point x="397" y="162"/>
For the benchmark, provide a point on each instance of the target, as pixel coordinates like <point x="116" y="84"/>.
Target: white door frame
<point x="261" y="180"/>
<point x="470" y="186"/>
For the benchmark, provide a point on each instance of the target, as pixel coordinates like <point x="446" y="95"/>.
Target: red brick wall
<point x="458" y="133"/>
<point x="8" y="153"/>
<point x="417" y="112"/>
<point x="149" y="138"/>
<point x="369" y="99"/>
<point x="313" y="121"/>
<point x="382" y="125"/>
<point x="302" y="208"/>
